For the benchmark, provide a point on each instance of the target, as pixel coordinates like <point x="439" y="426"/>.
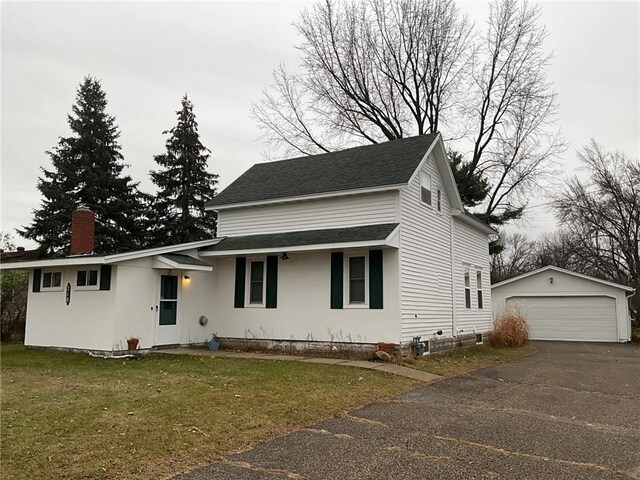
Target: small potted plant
<point x="132" y="343"/>
<point x="214" y="343"/>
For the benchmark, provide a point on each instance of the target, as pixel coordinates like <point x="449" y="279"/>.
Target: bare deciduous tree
<point x="377" y="70"/>
<point x="603" y="216"/>
<point x="557" y="249"/>
<point x="515" y="258"/>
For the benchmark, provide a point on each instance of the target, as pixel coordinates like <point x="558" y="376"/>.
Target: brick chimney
<point x="83" y="231"/>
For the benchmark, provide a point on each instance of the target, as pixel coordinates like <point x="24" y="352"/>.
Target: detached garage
<point x="567" y="306"/>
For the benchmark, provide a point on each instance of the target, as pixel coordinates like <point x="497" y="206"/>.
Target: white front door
<point x="167" y="318"/>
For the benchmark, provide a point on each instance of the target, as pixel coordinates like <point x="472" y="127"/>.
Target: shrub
<point x="510" y="329"/>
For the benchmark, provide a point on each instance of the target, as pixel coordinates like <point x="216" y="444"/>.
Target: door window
<point x="168" y="300"/>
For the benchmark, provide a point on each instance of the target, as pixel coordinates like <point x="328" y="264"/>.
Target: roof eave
<point x="107" y="259"/>
<point x="474" y="222"/>
<point x="164" y="262"/>
<point x="53" y="262"/>
<point x="388" y="242"/>
<point x="569" y="272"/>
<point x="299" y="198"/>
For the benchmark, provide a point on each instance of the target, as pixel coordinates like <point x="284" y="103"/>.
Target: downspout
<point x="627" y="297"/>
<point x="453" y="280"/>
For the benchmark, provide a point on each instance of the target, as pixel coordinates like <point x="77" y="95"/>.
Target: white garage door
<point x="587" y="319"/>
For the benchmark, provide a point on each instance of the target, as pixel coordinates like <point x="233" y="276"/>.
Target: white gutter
<point x="104" y="259"/>
<point x="389" y="242"/>
<point x="338" y="193"/>
<point x="53" y="262"/>
<point x="164" y="262"/>
<point x="454" y="323"/>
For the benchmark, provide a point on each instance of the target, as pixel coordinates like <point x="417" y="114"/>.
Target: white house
<point x="564" y="305"/>
<point x="365" y="245"/>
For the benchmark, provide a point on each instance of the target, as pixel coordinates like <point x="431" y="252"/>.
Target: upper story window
<point x="439" y="199"/>
<point x="425" y="188"/>
<point x="357" y="279"/>
<point x="51" y="280"/>
<point x="256" y="282"/>
<point x="87" y="278"/>
<point x="479" y="289"/>
<point x="467" y="289"/>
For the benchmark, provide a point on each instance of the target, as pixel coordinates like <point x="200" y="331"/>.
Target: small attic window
<point x="439" y="199"/>
<point x="425" y="188"/>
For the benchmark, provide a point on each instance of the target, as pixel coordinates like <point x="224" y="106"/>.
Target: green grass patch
<point x="67" y="415"/>
<point x="463" y="360"/>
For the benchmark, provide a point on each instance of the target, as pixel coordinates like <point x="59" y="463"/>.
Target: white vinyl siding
<point x="336" y="212"/>
<point x="471" y="251"/>
<point x="425" y="261"/>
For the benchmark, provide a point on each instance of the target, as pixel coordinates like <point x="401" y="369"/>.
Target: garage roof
<point x="569" y="272"/>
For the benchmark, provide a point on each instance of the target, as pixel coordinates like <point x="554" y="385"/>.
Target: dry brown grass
<point x="71" y="416"/>
<point x="510" y="329"/>
<point x="466" y="359"/>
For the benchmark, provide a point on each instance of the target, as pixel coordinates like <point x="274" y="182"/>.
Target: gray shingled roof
<point x="301" y="238"/>
<point x="185" y="259"/>
<point x="388" y="163"/>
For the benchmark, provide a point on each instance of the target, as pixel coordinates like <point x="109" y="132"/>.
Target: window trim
<point x="247" y="283"/>
<point x="479" y="290"/>
<point x="88" y="287"/>
<point x="51" y="289"/>
<point x="426" y="176"/>
<point x="347" y="284"/>
<point x="467" y="289"/>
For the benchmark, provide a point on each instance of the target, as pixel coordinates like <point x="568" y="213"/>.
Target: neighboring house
<point x="350" y="248"/>
<point x="564" y="305"/>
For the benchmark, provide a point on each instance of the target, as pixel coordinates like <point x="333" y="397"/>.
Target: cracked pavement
<point x="568" y="412"/>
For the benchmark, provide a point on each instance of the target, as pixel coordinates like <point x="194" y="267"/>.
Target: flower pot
<point x="213" y="345"/>
<point x="132" y="343"/>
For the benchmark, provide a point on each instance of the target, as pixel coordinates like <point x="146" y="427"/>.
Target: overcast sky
<point x="148" y="54"/>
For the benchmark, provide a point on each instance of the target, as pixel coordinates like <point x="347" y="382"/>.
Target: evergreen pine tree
<point x="184" y="184"/>
<point x="88" y="170"/>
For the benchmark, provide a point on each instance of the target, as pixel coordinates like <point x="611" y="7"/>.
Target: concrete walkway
<point x="419" y="375"/>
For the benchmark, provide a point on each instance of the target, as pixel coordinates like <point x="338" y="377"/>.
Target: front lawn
<point x="66" y="415"/>
<point x="464" y="360"/>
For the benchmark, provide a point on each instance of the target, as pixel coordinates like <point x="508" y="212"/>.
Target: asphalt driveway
<point x="571" y="411"/>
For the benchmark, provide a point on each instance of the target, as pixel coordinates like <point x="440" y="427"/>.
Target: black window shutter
<point x="105" y="277"/>
<point x="337" y="265"/>
<point x="37" y="279"/>
<point x="272" y="281"/>
<point x="241" y="266"/>
<point x="375" y="279"/>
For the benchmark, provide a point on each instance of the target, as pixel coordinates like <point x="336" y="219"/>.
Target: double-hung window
<point x="357" y="279"/>
<point x="479" y="289"/>
<point x="425" y="188"/>
<point x="467" y="289"/>
<point x="51" y="280"/>
<point x="256" y="282"/>
<point x="87" y="278"/>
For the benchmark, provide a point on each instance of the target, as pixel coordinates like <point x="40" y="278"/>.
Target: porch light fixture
<point x="284" y="256"/>
<point x="187" y="279"/>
